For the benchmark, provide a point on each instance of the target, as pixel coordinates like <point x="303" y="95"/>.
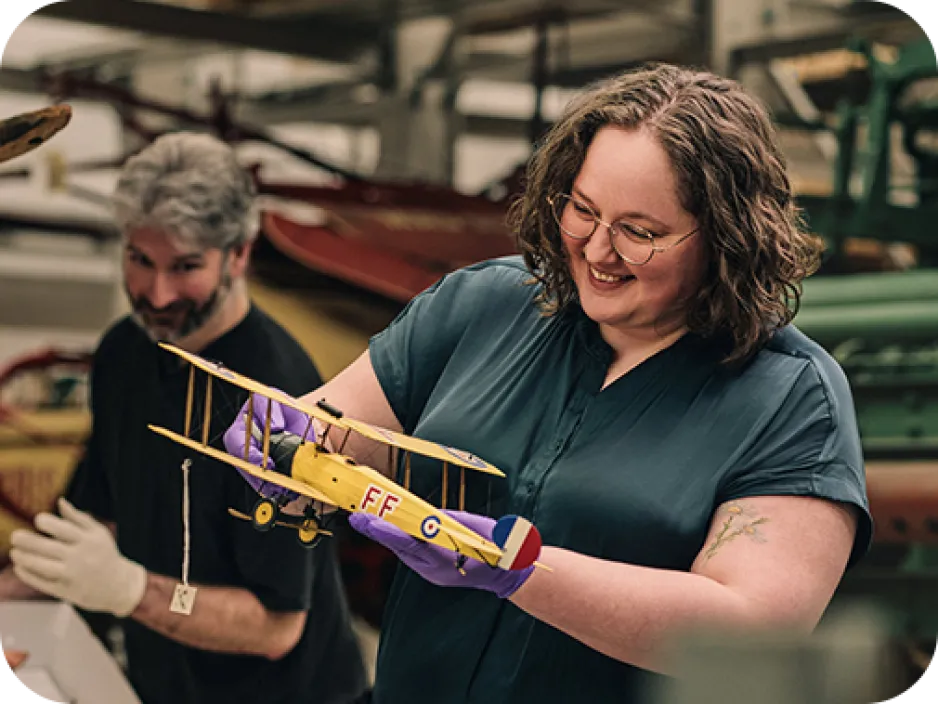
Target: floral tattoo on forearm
<point x="738" y="520"/>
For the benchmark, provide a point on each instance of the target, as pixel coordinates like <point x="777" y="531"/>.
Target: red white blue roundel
<point x="519" y="540"/>
<point x="430" y="526"/>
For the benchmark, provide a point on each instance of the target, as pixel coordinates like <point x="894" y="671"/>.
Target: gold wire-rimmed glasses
<point x="632" y="242"/>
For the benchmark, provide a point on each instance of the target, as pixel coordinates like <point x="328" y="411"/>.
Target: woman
<point x="688" y="456"/>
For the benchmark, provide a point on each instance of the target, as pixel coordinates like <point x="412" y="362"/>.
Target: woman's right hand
<point x="282" y="419"/>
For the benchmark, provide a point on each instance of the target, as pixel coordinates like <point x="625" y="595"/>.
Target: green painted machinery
<point x="882" y="327"/>
<point x="867" y="199"/>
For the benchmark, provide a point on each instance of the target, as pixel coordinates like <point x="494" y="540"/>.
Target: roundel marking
<point x="466" y="457"/>
<point x="430" y="526"/>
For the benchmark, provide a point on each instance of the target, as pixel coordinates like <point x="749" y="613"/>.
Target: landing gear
<point x="308" y="532"/>
<point x="268" y="513"/>
<point x="264" y="515"/>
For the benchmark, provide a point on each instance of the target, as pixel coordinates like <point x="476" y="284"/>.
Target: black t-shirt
<point x="133" y="477"/>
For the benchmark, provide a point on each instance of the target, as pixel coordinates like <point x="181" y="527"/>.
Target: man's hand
<point x="75" y="558"/>
<point x="439" y="565"/>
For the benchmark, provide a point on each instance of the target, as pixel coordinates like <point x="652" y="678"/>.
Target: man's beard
<point x="189" y="313"/>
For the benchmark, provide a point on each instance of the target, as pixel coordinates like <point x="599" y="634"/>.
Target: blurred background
<point x="387" y="138"/>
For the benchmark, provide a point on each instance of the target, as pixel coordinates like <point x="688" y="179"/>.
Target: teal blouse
<point x="631" y="473"/>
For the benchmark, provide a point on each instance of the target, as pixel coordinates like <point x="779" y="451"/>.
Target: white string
<point x="185" y="521"/>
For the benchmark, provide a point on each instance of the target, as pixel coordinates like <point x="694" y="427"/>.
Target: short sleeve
<point x="410" y="355"/>
<point x="810" y="447"/>
<point x="89" y="489"/>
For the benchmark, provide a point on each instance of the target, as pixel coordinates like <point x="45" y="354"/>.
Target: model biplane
<point x="328" y="478"/>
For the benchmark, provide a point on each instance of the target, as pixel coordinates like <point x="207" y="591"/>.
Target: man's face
<point x="173" y="288"/>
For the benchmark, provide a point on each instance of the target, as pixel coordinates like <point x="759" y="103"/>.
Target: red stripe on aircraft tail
<point x="520" y="541"/>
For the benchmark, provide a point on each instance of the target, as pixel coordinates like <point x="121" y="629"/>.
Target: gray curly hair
<point x="191" y="185"/>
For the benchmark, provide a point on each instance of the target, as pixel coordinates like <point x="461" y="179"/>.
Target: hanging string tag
<point x="184" y="594"/>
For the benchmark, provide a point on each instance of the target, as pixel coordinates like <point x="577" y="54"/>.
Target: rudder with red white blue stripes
<point x="519" y="540"/>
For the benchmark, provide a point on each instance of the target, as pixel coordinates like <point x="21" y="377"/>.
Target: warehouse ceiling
<point x="602" y="33"/>
<point x="346" y="61"/>
<point x="359" y="41"/>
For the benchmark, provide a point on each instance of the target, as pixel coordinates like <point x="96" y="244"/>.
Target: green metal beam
<point x="894" y="321"/>
<point x="857" y="289"/>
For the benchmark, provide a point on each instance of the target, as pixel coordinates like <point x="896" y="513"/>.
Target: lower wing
<point x="468" y="542"/>
<point x="266" y="474"/>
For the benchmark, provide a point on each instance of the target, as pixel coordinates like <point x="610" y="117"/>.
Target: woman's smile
<point x="605" y="281"/>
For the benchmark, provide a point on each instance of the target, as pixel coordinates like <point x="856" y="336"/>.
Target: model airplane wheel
<point x="308" y="533"/>
<point x="264" y="515"/>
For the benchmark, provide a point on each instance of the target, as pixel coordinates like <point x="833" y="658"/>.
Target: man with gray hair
<point x="269" y="622"/>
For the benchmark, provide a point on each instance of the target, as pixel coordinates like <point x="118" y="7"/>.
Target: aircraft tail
<point x="519" y="540"/>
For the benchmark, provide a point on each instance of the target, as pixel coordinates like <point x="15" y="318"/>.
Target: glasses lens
<point x="575" y="218"/>
<point x="634" y="244"/>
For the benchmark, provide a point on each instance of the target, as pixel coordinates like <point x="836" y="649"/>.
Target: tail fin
<point x="519" y="540"/>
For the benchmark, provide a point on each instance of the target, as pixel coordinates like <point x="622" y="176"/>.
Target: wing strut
<point x="270" y="403"/>
<point x="445" y="487"/>
<point x="189" y="393"/>
<point x="248" y="422"/>
<point x="348" y="434"/>
<point x="207" y="420"/>
<point x="407" y="470"/>
<point x="462" y="488"/>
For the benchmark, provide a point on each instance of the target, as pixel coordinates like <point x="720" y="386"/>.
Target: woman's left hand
<point x="439" y="565"/>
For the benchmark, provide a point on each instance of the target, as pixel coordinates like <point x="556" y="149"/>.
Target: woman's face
<point x="627" y="179"/>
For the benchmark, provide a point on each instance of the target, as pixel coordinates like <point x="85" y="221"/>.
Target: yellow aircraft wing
<point x="434" y="450"/>
<point x="266" y="474"/>
<point x="255" y="386"/>
<point x="422" y="447"/>
<point x="465" y="538"/>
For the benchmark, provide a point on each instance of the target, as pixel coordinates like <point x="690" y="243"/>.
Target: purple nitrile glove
<point x="437" y="565"/>
<point x="282" y="419"/>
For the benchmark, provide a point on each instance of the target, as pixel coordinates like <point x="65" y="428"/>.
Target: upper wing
<point x="372" y="432"/>
<point x="256" y="387"/>
<point x="266" y="474"/>
<point x="422" y="447"/>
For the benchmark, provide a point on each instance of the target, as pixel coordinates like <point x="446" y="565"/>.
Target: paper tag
<point x="183" y="599"/>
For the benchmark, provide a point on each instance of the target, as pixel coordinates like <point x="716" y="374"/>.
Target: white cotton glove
<point x="74" y="558"/>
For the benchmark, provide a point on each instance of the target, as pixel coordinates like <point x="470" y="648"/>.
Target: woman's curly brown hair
<point x="731" y="177"/>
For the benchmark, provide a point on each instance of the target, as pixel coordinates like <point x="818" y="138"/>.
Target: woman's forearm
<point x="627" y="612"/>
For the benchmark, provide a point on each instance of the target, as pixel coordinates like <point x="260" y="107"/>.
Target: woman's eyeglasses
<point x="633" y="243"/>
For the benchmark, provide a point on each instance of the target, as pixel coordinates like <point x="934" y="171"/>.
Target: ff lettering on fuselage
<point x="376" y="496"/>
